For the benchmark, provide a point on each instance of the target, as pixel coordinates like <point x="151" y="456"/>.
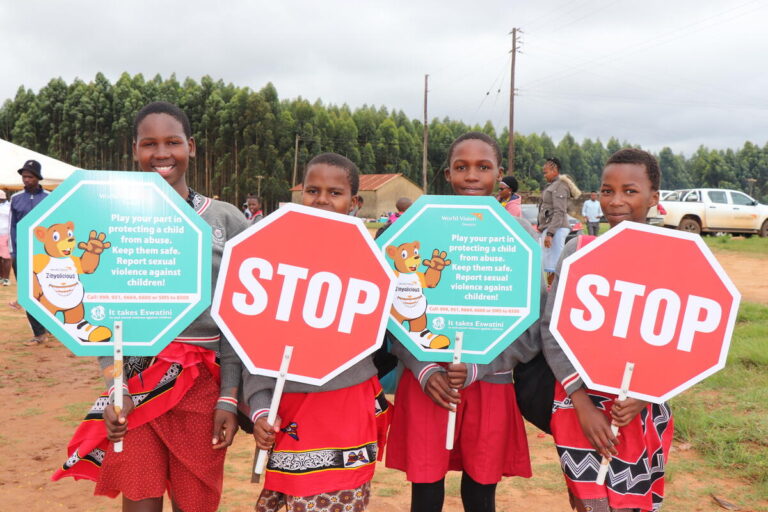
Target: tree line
<point x="247" y="139"/>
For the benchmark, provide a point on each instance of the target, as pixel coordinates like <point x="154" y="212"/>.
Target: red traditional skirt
<point x="328" y="441"/>
<point x="636" y="475"/>
<point x="168" y="443"/>
<point x="490" y="436"/>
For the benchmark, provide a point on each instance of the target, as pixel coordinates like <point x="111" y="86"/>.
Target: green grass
<point x="75" y="412"/>
<point x="724" y="417"/>
<point x="752" y="245"/>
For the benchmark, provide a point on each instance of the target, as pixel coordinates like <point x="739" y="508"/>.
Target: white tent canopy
<point x="12" y="157"/>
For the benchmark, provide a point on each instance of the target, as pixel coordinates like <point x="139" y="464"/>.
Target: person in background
<point x="591" y="212"/>
<point x="22" y="203"/>
<point x="357" y="206"/>
<point x="255" y="213"/>
<point x="508" y="196"/>
<point x="5" y="239"/>
<point x="402" y="204"/>
<point x="553" y="216"/>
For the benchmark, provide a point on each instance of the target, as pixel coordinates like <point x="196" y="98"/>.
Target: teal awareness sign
<point x="109" y="246"/>
<point x="463" y="264"/>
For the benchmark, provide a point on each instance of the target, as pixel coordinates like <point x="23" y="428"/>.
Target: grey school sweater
<point x="226" y="221"/>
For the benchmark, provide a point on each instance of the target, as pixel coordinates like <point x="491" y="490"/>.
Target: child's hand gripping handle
<point x="451" y="431"/>
<point x="604" y="464"/>
<point x="261" y="458"/>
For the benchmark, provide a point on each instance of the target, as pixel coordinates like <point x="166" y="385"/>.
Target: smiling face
<point x="473" y="169"/>
<point x="626" y="193"/>
<point x="327" y="187"/>
<point x="162" y="147"/>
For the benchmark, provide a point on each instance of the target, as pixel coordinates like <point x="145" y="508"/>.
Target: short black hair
<point x="476" y="136"/>
<point x="342" y="162"/>
<point x="640" y="157"/>
<point x="554" y="161"/>
<point x="511" y="182"/>
<point x="162" y="107"/>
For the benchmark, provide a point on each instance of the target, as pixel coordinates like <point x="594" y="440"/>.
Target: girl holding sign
<point x="581" y="421"/>
<point x="490" y="436"/>
<point x="326" y="439"/>
<point x="182" y="415"/>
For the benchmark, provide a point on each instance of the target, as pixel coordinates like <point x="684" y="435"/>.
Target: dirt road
<point x="45" y="391"/>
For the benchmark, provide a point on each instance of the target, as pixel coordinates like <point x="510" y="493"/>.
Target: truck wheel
<point x="764" y="229"/>
<point x="690" y="225"/>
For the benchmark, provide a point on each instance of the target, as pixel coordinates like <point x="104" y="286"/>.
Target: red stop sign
<point x="306" y="278"/>
<point x="647" y="295"/>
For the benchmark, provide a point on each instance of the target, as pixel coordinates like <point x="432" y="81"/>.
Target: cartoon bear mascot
<point x="57" y="283"/>
<point x="410" y="304"/>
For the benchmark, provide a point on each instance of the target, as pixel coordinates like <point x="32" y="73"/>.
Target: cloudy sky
<point x="676" y="73"/>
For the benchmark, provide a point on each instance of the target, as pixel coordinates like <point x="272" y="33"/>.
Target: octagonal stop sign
<point x="110" y="246"/>
<point x="305" y="278"/>
<point x="647" y="295"/>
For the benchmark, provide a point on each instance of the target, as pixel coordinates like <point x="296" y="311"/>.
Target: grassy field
<point x="724" y="417"/>
<point x="751" y="245"/>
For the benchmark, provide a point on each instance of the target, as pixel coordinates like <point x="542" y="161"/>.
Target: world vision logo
<point x="479" y="215"/>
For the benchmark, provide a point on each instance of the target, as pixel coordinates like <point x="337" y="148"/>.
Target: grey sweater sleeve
<point x="231" y="370"/>
<point x="556" y="358"/>
<point x="420" y="369"/>
<point x="257" y="392"/>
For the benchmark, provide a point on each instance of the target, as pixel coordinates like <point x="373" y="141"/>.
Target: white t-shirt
<point x="5" y="218"/>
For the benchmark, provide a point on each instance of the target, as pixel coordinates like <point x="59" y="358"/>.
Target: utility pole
<point x="425" y="139"/>
<point x="295" y="160"/>
<point x="511" y="148"/>
<point x="258" y="177"/>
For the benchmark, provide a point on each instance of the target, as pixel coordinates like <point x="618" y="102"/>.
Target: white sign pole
<point x="451" y="431"/>
<point x="118" y="374"/>
<point x="261" y="460"/>
<point x="628" y="369"/>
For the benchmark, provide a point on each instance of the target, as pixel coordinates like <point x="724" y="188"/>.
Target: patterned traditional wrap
<point x="636" y="475"/>
<point x="154" y="389"/>
<point x="329" y="441"/>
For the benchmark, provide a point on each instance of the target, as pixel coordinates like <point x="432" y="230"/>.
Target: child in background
<point x="490" y="440"/>
<point x="315" y="424"/>
<point x="255" y="213"/>
<point x="508" y="197"/>
<point x="582" y="417"/>
<point x="179" y="409"/>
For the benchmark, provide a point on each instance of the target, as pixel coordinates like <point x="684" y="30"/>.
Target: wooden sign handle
<point x="628" y="369"/>
<point x="451" y="430"/>
<point x="261" y="458"/>
<point x="118" y="374"/>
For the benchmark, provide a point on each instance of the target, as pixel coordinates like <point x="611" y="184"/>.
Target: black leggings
<point x="475" y="497"/>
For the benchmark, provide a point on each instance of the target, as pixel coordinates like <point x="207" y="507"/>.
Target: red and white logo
<point x="307" y="278"/>
<point x="652" y="296"/>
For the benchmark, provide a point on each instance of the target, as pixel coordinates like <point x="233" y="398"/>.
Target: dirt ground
<point x="46" y="390"/>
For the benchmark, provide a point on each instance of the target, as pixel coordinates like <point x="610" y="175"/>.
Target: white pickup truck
<point x="712" y="210"/>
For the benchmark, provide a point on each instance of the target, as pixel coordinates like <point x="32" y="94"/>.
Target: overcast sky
<point x="676" y="73"/>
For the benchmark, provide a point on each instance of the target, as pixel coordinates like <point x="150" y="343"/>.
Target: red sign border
<point x="706" y="252"/>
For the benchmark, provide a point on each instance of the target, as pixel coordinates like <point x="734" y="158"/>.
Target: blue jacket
<point x="22" y="203"/>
